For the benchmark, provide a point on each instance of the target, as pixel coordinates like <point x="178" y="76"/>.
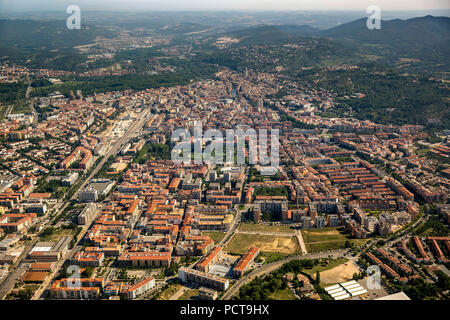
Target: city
<point x="94" y="207"/>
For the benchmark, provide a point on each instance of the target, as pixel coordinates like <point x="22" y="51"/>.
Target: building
<point x="333" y="220"/>
<point x="306" y="222"/>
<point x="87" y="215"/>
<point x="145" y="259"/>
<point x="95" y="189"/>
<point x="207" y="294"/>
<point x="88" y="195"/>
<point x="209" y="260"/>
<point x="272" y="204"/>
<point x="197" y="277"/>
<point x="370" y="224"/>
<point x="141" y="287"/>
<point x="256" y="213"/>
<point x="245" y="263"/>
<point x="84" y="259"/>
<point x="319" y="222"/>
<point x="14" y="222"/>
<point x="76" y="288"/>
<point x="49" y="251"/>
<point x="70" y="179"/>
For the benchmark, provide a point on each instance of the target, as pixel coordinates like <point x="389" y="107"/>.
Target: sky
<point x="163" y="5"/>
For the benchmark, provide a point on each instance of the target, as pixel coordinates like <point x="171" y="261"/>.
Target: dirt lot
<point x="242" y="242"/>
<point x="339" y="273"/>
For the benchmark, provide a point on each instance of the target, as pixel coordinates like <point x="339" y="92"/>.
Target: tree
<point x="318" y="277"/>
<point x="172" y="270"/>
<point x="25" y="294"/>
<point x="348" y="244"/>
<point x="87" y="272"/>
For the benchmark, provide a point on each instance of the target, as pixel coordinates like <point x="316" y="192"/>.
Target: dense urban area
<point x="93" y="207"/>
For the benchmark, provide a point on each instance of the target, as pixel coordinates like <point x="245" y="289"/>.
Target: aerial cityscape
<point x="224" y="154"/>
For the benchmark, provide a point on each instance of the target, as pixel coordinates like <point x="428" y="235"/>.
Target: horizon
<point x="220" y="5"/>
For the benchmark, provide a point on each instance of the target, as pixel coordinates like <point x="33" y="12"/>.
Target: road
<point x="9" y="282"/>
<point x="17" y="268"/>
<point x="301" y="243"/>
<point x="233" y="229"/>
<point x="136" y="126"/>
<point x="276" y="265"/>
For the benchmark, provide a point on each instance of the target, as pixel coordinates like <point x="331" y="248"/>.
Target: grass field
<point x="217" y="236"/>
<point x="2" y="111"/>
<point x="270" y="257"/>
<point x="327" y="239"/>
<point x="57" y="234"/>
<point x="324" y="267"/>
<point x="21" y="107"/>
<point x="170" y="291"/>
<point x="285" y="294"/>
<point x="189" y="294"/>
<point x="265" y="228"/>
<point x="277" y="244"/>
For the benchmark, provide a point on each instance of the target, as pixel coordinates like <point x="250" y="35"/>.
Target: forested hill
<point x="421" y="38"/>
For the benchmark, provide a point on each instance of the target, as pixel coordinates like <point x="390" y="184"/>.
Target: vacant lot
<point x="189" y="294"/>
<point x="217" y="236"/>
<point x="56" y="234"/>
<point x="327" y="239"/>
<point x="340" y="273"/>
<point x="279" y="244"/>
<point x="285" y="294"/>
<point x="169" y="292"/>
<point x="265" y="228"/>
<point x="325" y="266"/>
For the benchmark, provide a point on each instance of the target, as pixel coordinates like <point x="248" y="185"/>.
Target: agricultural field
<point x="328" y="239"/>
<point x="276" y="244"/>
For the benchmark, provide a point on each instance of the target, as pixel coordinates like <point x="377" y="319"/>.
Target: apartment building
<point x="197" y="277"/>
<point x="140" y="288"/>
<point x="245" y="262"/>
<point x="76" y="288"/>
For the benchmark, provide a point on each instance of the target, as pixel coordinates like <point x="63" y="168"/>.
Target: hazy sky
<point x="130" y="5"/>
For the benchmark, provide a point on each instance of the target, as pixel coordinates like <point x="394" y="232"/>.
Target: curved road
<point x="274" y="266"/>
